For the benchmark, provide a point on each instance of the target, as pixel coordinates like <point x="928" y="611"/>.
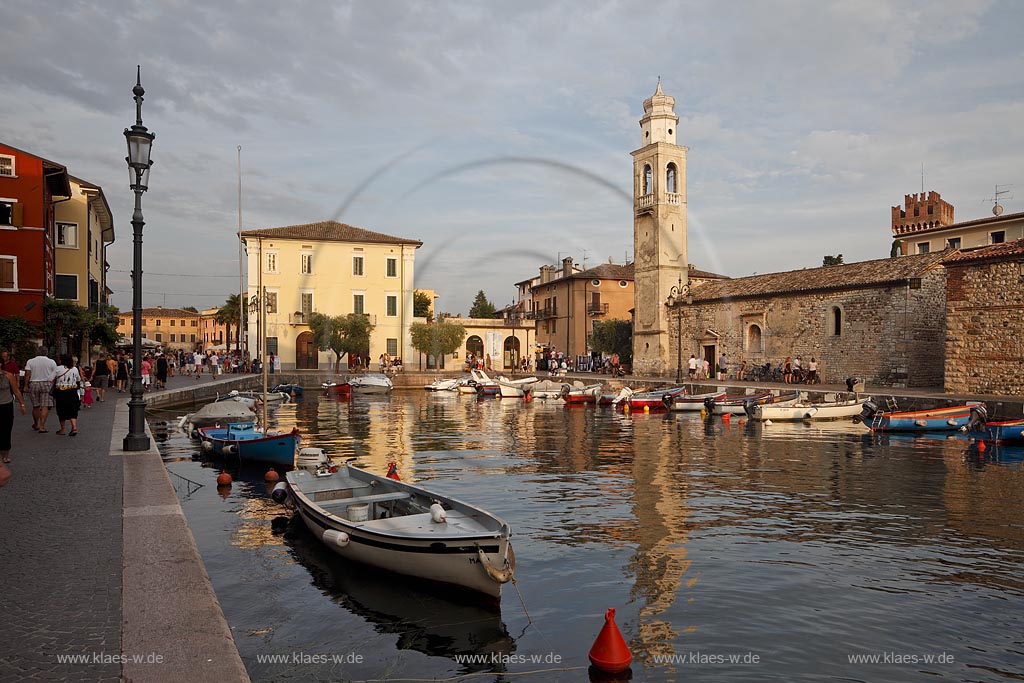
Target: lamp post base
<point x="135" y="442"/>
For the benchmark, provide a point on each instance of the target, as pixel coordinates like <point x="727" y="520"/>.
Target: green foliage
<point x="192" y="309"/>
<point x="15" y="331"/>
<point x="341" y="334"/>
<point x="895" y="250"/>
<point x="437" y="339"/>
<point x="67" y="321"/>
<point x="421" y="305"/>
<point x="231" y="314"/>
<point x="613" y="336"/>
<point x="832" y="260"/>
<point x="482" y="308"/>
<point x="102" y="327"/>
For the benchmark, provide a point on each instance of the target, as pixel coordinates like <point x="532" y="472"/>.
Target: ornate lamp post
<point x="678" y="295"/>
<point x="140" y="143"/>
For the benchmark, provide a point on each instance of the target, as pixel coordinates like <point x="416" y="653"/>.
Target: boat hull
<point x="809" y="411"/>
<point x="694" y="402"/>
<point x="274" y="449"/>
<point x="934" y="420"/>
<point x="1007" y="431"/>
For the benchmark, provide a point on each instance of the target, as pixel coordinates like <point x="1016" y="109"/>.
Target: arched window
<point x="837" y="321"/>
<point x="755" y="340"/>
<point x="511" y="353"/>
<point x="475" y="346"/>
<point x="670" y="179"/>
<point x="648" y="180"/>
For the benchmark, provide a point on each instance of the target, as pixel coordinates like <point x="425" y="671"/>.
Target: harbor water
<point x="731" y="551"/>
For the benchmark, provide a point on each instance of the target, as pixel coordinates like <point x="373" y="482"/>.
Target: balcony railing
<point x="597" y="309"/>
<point x="547" y="312"/>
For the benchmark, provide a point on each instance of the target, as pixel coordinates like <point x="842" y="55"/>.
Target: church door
<point x="306" y="357"/>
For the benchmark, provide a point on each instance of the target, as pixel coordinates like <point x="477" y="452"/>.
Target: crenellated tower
<point x="659" y="231"/>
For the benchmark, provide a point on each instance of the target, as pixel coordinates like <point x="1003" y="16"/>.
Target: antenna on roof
<point x="922" y="179"/>
<point x="997" y="208"/>
<point x="584" y="259"/>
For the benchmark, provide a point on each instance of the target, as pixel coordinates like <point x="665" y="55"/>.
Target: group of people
<point x="793" y="371"/>
<point x="388" y="365"/>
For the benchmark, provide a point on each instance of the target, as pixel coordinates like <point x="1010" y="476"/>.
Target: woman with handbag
<point x="9" y="393"/>
<point x="65" y="394"/>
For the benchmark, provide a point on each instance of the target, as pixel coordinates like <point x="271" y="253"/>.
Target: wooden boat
<point x="513" y="388"/>
<point x="242" y="439"/>
<point x="578" y="393"/>
<point x="833" y="410"/>
<point x="934" y="419"/>
<point x="400" y="527"/>
<point x="291" y="390"/>
<point x="621" y="398"/>
<point x="337" y="389"/>
<point x="371" y="383"/>
<point x="693" y="402"/>
<point x="252" y="397"/>
<point x="737" y="405"/>
<point x="654" y="400"/>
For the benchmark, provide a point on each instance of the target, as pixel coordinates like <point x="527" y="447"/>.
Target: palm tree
<point x="230" y="314"/>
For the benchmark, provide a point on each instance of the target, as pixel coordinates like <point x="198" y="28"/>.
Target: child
<point x="87" y="398"/>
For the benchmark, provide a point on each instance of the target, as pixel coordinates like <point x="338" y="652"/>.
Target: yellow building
<point x="925" y="224"/>
<point x="174" y="328"/>
<point x="501" y="343"/>
<point x="84" y="228"/>
<point x="215" y="335"/>
<point x="334" y="269"/>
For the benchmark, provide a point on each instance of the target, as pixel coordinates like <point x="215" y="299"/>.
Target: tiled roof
<point x="706" y="275"/>
<point x="329" y="231"/>
<point x="162" y="312"/>
<point x="995" y="252"/>
<point x="848" y="276"/>
<point x="607" y="271"/>
<point x="986" y="220"/>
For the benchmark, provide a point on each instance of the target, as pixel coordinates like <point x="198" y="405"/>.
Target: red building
<point x="30" y="186"/>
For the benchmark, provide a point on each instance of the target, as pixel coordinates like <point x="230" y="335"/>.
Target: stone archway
<point x="475" y="346"/>
<point x="511" y="353"/>
<point x="306" y="355"/>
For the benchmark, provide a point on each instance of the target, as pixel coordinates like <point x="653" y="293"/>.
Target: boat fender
<point x="494" y="574"/>
<point x="334" y="537"/>
<point x="280" y="492"/>
<point x="921" y="423"/>
<point x="231" y="449"/>
<point x="207" y="446"/>
<point x="437" y="513"/>
<point x="951" y="422"/>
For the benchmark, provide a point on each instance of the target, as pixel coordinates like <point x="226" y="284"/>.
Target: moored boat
<point x="291" y="390"/>
<point x="693" y="402"/>
<point x="443" y="384"/>
<point x="934" y="419"/>
<point x="337" y="389"/>
<point x="400" y="527"/>
<point x="371" y="383"/>
<point x="832" y="410"/>
<point x="620" y="398"/>
<point x="737" y="405"/>
<point x="654" y="400"/>
<point x="547" y="389"/>
<point x="249" y="444"/>
<point x="217" y="413"/>
<point x="513" y="388"/>
<point x="999" y="431"/>
<point x="579" y="393"/>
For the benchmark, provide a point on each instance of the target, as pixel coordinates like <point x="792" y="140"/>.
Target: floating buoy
<point x="280" y="492"/>
<point x="981" y="446"/>
<point x="703" y="413"/>
<point x="726" y="417"/>
<point x="625" y="407"/>
<point x="223" y="479"/>
<point x="271" y="475"/>
<point x="393" y="472"/>
<point x="647" y="409"/>
<point x="610" y="652"/>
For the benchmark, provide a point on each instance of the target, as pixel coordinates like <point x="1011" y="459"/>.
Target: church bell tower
<point x="659" y="231"/>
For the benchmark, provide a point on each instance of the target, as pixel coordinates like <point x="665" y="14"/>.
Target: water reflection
<point x="706" y="535"/>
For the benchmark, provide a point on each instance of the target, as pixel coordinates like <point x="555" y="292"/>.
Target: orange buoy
<point x="393" y="472"/>
<point x="223" y="479"/>
<point x="981" y="446"/>
<point x="610" y="652"/>
<point x="271" y="475"/>
<point x="726" y="417"/>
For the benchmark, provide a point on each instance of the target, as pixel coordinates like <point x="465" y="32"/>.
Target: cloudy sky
<point x="499" y="133"/>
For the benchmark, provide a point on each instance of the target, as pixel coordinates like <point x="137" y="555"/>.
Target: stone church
<point x="886" y="321"/>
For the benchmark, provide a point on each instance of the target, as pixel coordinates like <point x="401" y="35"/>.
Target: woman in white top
<point x="65" y="394"/>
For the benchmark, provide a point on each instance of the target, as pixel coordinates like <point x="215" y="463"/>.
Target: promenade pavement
<point x="102" y="581"/>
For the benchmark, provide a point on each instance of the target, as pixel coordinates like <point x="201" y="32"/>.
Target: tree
<point x="613" y="336"/>
<point x="482" y="308"/>
<point x="230" y="314"/>
<point x="832" y="260"/>
<point x="191" y="309"/>
<point x="14" y="331"/>
<point x="66" y="323"/>
<point x="437" y="339"/>
<point x="421" y="305"/>
<point x="895" y="250"/>
<point x="341" y="334"/>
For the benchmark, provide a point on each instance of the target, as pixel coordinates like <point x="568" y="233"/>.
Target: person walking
<point x="65" y="395"/>
<point x="812" y="371"/>
<point x="787" y="371"/>
<point x="9" y="393"/>
<point x="100" y="377"/>
<point x="8" y="364"/>
<point x="162" y="368"/>
<point x="122" y="373"/>
<point x="723" y="367"/>
<point x="147" y="372"/>
<point x="692" y="365"/>
<point x="39" y="375"/>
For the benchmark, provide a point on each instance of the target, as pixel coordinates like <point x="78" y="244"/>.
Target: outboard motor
<point x="748" y="408"/>
<point x="867" y="412"/>
<point x="709" y="404"/>
<point x="979" y="415"/>
<point x="851" y="382"/>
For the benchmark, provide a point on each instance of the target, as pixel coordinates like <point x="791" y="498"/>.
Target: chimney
<point x="567" y="266"/>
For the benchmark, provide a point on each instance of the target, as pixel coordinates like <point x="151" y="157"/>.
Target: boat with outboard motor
<point x="250" y="444"/>
<point x="397" y="526"/>
<point x="654" y="400"/>
<point x="998" y="431"/>
<point x="216" y="414"/>
<point x="371" y="383"/>
<point x="692" y="402"/>
<point x="579" y="393"/>
<point x="946" y="419"/>
<point x="744" y="405"/>
<point x="513" y="388"/>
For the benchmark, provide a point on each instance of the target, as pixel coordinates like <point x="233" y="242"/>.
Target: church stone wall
<point x="985" y="344"/>
<point x="891" y="335"/>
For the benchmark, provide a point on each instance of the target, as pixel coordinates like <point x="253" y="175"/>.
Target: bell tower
<point x="659" y="231"/>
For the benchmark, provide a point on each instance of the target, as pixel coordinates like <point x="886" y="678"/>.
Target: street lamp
<point x="678" y="295"/>
<point x="140" y="143"/>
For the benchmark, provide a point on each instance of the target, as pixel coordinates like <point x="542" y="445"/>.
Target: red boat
<point x="654" y="400"/>
<point x="579" y="394"/>
<point x="336" y="390"/>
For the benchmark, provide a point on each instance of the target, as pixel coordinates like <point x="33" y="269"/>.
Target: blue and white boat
<point x="999" y="431"/>
<point x="249" y="444"/>
<point x="948" y="419"/>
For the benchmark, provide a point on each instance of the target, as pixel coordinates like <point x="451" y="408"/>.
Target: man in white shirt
<point x="39" y="375"/>
<point x="693" y="367"/>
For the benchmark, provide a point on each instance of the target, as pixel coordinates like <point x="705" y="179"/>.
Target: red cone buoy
<point x="726" y="417"/>
<point x="610" y="652"/>
<point x="981" y="446"/>
<point x="393" y="472"/>
<point x="271" y="475"/>
<point x="223" y="479"/>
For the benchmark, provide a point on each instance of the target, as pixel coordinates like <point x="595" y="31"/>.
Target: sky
<point x="499" y="134"/>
